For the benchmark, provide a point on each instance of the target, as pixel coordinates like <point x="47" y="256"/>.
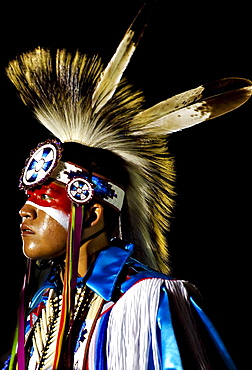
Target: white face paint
<point x="58" y="215"/>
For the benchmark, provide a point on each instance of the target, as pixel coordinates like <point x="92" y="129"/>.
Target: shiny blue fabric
<point x="215" y="337"/>
<point x="105" y="272"/>
<point x="38" y="296"/>
<point x="141" y="276"/>
<point x="168" y="345"/>
<point x="100" y="352"/>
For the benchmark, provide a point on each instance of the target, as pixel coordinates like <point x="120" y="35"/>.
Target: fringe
<point x="132" y="328"/>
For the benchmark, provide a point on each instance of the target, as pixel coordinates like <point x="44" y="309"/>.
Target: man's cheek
<point x="61" y="217"/>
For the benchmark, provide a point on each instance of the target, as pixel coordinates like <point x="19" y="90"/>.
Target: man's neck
<point x="89" y="250"/>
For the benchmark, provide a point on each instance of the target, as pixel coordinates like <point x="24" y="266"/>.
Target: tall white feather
<point x="112" y="74"/>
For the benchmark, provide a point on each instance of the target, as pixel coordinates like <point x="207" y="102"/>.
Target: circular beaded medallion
<point x="41" y="163"/>
<point x="80" y="190"/>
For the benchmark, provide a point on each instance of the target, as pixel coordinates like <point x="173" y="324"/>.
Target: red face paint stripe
<point x="50" y="195"/>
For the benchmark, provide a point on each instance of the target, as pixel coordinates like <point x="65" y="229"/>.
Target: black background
<point x="185" y="45"/>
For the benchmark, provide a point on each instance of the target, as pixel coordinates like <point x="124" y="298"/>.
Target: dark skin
<point x="44" y="238"/>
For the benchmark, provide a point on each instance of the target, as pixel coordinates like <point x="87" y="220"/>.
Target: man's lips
<point x="26" y="230"/>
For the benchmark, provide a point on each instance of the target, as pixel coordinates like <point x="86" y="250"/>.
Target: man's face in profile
<point x="45" y="218"/>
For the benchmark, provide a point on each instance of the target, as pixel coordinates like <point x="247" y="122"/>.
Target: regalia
<point x="126" y="312"/>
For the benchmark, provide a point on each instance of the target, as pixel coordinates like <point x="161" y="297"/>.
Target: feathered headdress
<point x="80" y="101"/>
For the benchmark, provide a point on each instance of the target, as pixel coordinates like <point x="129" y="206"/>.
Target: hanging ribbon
<point x="19" y="338"/>
<point x="70" y="279"/>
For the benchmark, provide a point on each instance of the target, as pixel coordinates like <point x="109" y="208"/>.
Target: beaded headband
<point x="81" y="186"/>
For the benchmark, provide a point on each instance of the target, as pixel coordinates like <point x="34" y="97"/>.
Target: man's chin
<point x="33" y="252"/>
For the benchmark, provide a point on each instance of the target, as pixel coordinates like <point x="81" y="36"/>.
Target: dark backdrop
<point x="185" y="45"/>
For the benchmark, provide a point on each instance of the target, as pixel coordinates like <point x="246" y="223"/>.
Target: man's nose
<point x="28" y="211"/>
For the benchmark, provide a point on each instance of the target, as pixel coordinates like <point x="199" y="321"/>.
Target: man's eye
<point x="45" y="197"/>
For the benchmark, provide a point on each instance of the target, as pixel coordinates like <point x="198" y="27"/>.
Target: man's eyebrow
<point x="52" y="191"/>
<point x="57" y="190"/>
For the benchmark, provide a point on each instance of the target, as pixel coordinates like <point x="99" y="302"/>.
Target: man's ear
<point x="95" y="215"/>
